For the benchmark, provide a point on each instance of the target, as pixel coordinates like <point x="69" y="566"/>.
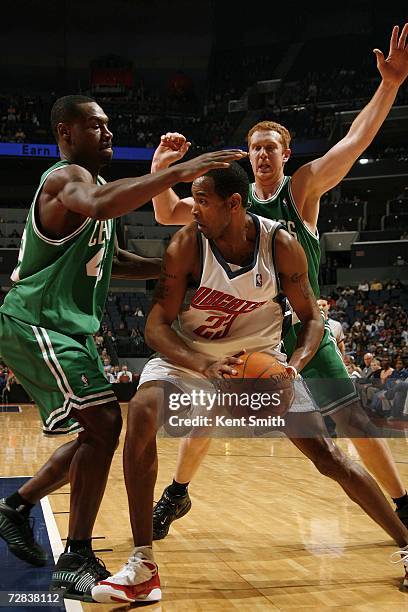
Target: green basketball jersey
<point x="281" y="207"/>
<point x="62" y="284"/>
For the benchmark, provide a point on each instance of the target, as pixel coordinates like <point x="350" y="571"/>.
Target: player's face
<point x="267" y="155"/>
<point x="211" y="212"/>
<point x="324" y="306"/>
<point x="90" y="138"/>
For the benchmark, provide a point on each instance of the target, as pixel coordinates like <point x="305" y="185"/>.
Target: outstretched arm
<point x="132" y="266"/>
<point x="315" y="178"/>
<point x="169" y="209"/>
<point x="291" y="263"/>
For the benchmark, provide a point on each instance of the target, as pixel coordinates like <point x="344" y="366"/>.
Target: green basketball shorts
<point x="59" y="373"/>
<point x="325" y="375"/>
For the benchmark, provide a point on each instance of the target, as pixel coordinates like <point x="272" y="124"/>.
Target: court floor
<point x="266" y="531"/>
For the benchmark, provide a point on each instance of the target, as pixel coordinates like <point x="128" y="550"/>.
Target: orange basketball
<point x="260" y="373"/>
<point x="260" y="365"/>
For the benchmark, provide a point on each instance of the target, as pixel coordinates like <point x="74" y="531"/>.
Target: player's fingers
<point x="225" y="369"/>
<point x="394" y="38"/>
<point x="233" y="360"/>
<point x="403" y="37"/>
<point x="380" y="57"/>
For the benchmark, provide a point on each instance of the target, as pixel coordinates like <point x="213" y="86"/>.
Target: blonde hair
<point x="267" y="126"/>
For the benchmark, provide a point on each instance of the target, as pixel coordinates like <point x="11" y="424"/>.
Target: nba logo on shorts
<point x="258" y="280"/>
<point x="84" y="380"/>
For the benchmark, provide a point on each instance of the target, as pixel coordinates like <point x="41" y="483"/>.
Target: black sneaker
<point x="402" y="514"/>
<point x="75" y="575"/>
<point x="17" y="530"/>
<point x="168" y="509"/>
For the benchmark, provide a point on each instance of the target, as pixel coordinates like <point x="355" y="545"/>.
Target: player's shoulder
<point x="70" y="173"/>
<point x="184" y="242"/>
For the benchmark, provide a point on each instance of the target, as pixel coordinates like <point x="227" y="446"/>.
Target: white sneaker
<point x="402" y="557"/>
<point x="138" y="580"/>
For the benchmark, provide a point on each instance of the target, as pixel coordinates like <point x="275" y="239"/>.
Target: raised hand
<point x="394" y="68"/>
<point x="209" y="161"/>
<point x="173" y="146"/>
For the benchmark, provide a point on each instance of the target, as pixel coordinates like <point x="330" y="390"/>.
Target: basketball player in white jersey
<point x="239" y="262"/>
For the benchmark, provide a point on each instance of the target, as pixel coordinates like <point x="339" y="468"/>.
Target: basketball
<point x="260" y="365"/>
<point x="260" y="374"/>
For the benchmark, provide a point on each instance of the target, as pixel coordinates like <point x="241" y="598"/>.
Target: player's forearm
<point x="161" y="338"/>
<point x="164" y="203"/>
<point x="119" y="197"/>
<point x="129" y="265"/>
<point x="367" y="123"/>
<point x="308" y="341"/>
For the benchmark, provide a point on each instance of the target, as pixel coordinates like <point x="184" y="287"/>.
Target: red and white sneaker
<point x="402" y="555"/>
<point x="138" y="580"/>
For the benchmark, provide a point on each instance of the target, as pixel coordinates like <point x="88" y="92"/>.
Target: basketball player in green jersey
<point x="48" y="318"/>
<point x="295" y="202"/>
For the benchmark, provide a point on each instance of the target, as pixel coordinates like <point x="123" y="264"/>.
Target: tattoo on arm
<point x="162" y="290"/>
<point x="303" y="281"/>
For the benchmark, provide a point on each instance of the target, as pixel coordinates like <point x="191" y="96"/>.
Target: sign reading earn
<point x="24" y="149"/>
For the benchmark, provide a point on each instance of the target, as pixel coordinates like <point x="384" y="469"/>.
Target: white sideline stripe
<point x="57" y="547"/>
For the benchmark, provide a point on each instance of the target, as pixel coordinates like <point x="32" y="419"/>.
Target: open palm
<point x="394" y="68"/>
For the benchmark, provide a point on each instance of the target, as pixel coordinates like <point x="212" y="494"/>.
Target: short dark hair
<point x="66" y="109"/>
<point x="231" y="180"/>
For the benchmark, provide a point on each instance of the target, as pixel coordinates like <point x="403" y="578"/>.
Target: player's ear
<point x="64" y="133"/>
<point x="286" y="154"/>
<point x="235" y="201"/>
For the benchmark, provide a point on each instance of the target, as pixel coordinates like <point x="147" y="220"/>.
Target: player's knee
<point x="330" y="461"/>
<point x="109" y="426"/>
<point x="142" y="415"/>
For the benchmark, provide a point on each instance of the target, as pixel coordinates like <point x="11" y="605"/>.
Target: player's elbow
<point x="83" y="201"/>
<point x="161" y="216"/>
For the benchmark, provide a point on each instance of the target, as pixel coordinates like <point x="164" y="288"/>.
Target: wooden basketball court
<point x="266" y="531"/>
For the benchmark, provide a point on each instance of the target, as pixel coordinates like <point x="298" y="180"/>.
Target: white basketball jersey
<point x="235" y="307"/>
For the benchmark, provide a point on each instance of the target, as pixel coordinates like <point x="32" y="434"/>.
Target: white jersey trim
<point x="292" y="200"/>
<point x="273" y="197"/>
<point x="75" y="233"/>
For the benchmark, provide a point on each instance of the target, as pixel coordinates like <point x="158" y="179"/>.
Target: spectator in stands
<point x="341" y="303"/>
<point x="124" y="376"/>
<point x="123" y="331"/>
<point x="372" y="384"/>
<point x="367" y="371"/>
<point x="376" y="285"/>
<point x="115" y="374"/>
<point x="364" y="287"/>
<point x="109" y="343"/>
<point x="400" y="261"/>
<point x="139" y="312"/>
<point x="136" y="336"/>
<point x="354" y="371"/>
<point x="107" y="364"/>
<point x="381" y="402"/>
<point x="98" y="341"/>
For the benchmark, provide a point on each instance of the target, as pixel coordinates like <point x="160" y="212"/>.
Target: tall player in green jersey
<point x="295" y="202"/>
<point x="48" y="318"/>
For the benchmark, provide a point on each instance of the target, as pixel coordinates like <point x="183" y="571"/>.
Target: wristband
<point x="295" y="372"/>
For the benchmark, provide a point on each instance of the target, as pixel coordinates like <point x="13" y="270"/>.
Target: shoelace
<point x="130" y="569"/>
<point x="402" y="556"/>
<point x="98" y="566"/>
